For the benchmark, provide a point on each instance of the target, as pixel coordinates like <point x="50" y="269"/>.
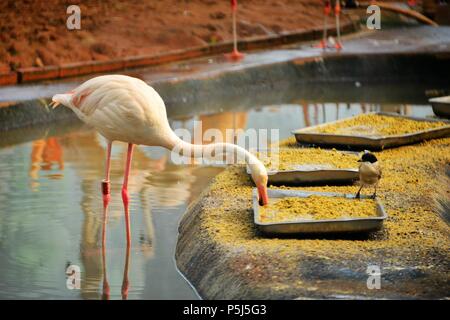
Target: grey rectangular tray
<point x="306" y="136"/>
<point x="313" y="177"/>
<point x="441" y="106"/>
<point x="304" y="226"/>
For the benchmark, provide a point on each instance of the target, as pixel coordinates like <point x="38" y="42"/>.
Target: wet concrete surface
<point x="212" y="84"/>
<point x="422" y="39"/>
<point x="408" y="39"/>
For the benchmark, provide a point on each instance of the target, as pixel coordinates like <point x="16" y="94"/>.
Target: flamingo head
<point x="61" y="99"/>
<point x="259" y="176"/>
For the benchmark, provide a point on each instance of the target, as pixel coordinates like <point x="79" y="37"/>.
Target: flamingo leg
<point x="106" y="198"/>
<point x="106" y="290"/>
<point x="125" y="196"/>
<point x="337" y="11"/>
<point x="125" y="281"/>
<point x="106" y="190"/>
<point x="324" y="36"/>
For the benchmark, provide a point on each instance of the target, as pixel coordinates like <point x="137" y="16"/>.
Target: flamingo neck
<point x="212" y="150"/>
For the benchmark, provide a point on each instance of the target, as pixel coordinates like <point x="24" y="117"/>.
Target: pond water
<point x="51" y="209"/>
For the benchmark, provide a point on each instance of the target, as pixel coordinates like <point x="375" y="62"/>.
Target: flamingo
<point x="123" y="108"/>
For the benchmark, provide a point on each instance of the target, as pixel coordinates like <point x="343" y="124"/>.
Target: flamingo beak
<point x="54" y="104"/>
<point x="262" y="193"/>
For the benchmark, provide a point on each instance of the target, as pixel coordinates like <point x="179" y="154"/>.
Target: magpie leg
<point x="358" y="194"/>
<point x="375" y="193"/>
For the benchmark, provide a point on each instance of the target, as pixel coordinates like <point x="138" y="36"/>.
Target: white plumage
<point x="121" y="108"/>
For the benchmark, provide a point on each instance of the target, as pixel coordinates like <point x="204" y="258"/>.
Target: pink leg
<point x="125" y="196"/>
<point x="106" y="290"/>
<point x="106" y="190"/>
<point x="125" y="281"/>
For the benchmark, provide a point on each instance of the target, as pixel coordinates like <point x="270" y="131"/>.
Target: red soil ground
<point x="34" y="33"/>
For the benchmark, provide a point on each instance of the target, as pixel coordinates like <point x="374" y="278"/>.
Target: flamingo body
<point x="126" y="109"/>
<point x="121" y="108"/>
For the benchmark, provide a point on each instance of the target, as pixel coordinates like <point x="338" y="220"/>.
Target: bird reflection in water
<point x="106" y="288"/>
<point x="106" y="291"/>
<point x="83" y="147"/>
<point x="156" y="184"/>
<point x="44" y="154"/>
<point x="125" y="281"/>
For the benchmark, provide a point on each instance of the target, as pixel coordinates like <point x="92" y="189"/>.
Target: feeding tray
<point x="370" y="141"/>
<point x="441" y="106"/>
<point x="312" y="175"/>
<point x="373" y="221"/>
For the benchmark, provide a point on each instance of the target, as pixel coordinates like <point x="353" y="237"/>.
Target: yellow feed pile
<point x="316" y="208"/>
<point x="378" y="125"/>
<point x="290" y="159"/>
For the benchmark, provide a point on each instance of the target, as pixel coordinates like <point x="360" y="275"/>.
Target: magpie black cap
<point x="368" y="157"/>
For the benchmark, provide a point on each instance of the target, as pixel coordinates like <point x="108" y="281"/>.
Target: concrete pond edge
<point x="237" y="89"/>
<point x="32" y="74"/>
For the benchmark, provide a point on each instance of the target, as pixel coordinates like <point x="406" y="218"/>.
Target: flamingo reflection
<point x="106" y="292"/>
<point x="305" y="108"/>
<point x="155" y="182"/>
<point x="44" y="154"/>
<point x="85" y="147"/>
<point x="106" y="289"/>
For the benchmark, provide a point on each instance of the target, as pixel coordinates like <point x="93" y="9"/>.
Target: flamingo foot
<point x="235" y="55"/>
<point x="125" y="287"/>
<point x="106" y="291"/>
<point x="338" y="46"/>
<point x="321" y="45"/>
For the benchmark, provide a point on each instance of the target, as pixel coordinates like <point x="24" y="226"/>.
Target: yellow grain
<point x="378" y="125"/>
<point x="316" y="208"/>
<point x="411" y="233"/>
<point x="295" y="158"/>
